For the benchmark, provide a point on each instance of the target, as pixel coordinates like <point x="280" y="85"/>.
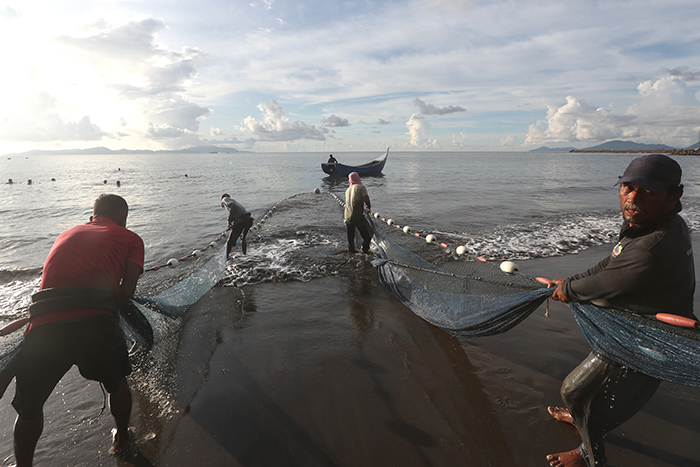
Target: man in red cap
<point x="650" y="271"/>
<point x="239" y="221"/>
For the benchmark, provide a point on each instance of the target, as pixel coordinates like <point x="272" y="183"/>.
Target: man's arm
<point x="366" y="199"/>
<point x="128" y="285"/>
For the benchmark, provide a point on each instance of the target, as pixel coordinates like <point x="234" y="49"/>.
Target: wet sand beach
<point x="336" y="372"/>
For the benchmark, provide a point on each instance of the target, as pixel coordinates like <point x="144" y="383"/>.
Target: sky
<point x="322" y="75"/>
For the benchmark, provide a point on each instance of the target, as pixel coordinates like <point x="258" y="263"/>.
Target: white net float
<point x="430" y="238"/>
<point x="509" y="267"/>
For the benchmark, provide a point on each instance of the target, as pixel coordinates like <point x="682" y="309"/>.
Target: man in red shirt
<point x="91" y="270"/>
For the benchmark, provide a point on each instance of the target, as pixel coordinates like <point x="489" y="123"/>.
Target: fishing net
<point x="465" y="296"/>
<point x="474" y="298"/>
<point x="173" y="288"/>
<point x="642" y="342"/>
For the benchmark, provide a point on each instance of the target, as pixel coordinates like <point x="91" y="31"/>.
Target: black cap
<point x="654" y="172"/>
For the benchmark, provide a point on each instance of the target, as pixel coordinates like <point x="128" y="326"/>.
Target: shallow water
<point x="300" y="357"/>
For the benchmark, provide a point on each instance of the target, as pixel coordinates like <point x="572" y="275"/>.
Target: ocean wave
<point x="11" y="275"/>
<point x="316" y="252"/>
<point x="553" y="237"/>
<point x="562" y="235"/>
<point x="285" y="256"/>
<point x="16" y="289"/>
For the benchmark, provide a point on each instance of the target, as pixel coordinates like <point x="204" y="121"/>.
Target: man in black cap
<point x="649" y="271"/>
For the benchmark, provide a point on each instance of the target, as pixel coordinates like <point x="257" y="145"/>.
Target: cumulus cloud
<point x="54" y="128"/>
<point x="153" y="79"/>
<point x="668" y="91"/>
<point x="180" y="113"/>
<point x="429" y="109"/>
<point x="577" y="121"/>
<point x="510" y="140"/>
<point x="666" y="111"/>
<point x="418" y="128"/>
<point x="216" y="131"/>
<point x="135" y="39"/>
<point x="276" y="126"/>
<point x="139" y="67"/>
<point x="335" y="121"/>
<point x="164" y="131"/>
<point x="40" y="121"/>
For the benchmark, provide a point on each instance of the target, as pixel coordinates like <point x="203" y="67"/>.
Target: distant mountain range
<point x="101" y="150"/>
<point x="615" y="145"/>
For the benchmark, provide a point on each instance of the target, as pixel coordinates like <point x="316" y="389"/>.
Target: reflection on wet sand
<point x="330" y="372"/>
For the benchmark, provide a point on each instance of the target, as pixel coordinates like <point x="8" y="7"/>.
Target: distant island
<point x="102" y="150"/>
<point x="617" y="146"/>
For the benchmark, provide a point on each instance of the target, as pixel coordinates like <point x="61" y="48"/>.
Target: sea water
<point x="500" y="205"/>
<point x="337" y="371"/>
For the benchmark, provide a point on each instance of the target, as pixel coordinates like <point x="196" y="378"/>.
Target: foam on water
<point x="16" y="289"/>
<point x="301" y="256"/>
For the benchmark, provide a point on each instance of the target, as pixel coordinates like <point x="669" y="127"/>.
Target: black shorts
<point x="95" y="344"/>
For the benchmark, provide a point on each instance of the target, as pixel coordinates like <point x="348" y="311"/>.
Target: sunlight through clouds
<point x="411" y="74"/>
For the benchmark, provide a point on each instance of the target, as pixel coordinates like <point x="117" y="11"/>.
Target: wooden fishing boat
<point x="341" y="170"/>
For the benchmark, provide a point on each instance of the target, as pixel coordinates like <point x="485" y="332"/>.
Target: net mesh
<point x="474" y="298"/>
<point x="462" y="295"/>
<point x="642" y="342"/>
<point x="173" y="291"/>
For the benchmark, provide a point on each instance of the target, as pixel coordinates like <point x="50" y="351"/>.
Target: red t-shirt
<point x="90" y="255"/>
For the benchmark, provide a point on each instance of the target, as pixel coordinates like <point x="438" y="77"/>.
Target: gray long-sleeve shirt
<point x="235" y="209"/>
<point x="650" y="270"/>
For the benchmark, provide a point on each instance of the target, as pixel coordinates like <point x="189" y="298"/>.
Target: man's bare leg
<point x="120" y="407"/>
<point x="561" y="413"/>
<point x="26" y="435"/>
<point x="567" y="459"/>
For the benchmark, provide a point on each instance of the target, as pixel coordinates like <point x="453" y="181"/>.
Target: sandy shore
<point x="336" y="372"/>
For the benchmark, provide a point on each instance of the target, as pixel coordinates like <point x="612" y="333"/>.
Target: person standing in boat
<point x="239" y="221"/>
<point x="356" y="197"/>
<point x="90" y="271"/>
<point x="331" y="160"/>
<point x="650" y="271"/>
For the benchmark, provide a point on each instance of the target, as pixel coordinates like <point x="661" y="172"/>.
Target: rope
<point x="173" y="262"/>
<point x="429" y="238"/>
<point x="195" y="254"/>
<point x="407" y="230"/>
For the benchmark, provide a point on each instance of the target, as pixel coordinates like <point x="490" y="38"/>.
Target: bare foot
<point x="567" y="459"/>
<point x="560" y="413"/>
<point x="120" y="443"/>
